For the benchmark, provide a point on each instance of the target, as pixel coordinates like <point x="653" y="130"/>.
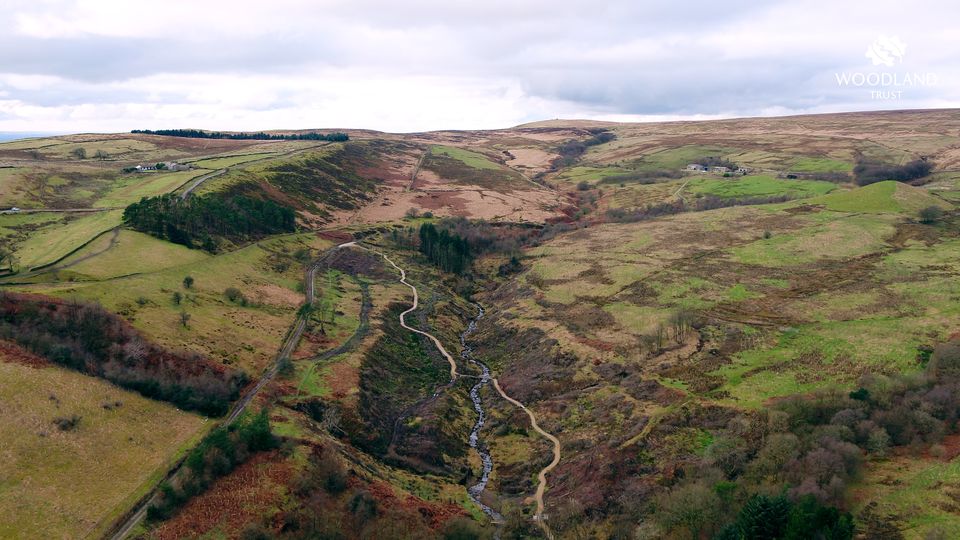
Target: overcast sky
<point x="116" y="65"/>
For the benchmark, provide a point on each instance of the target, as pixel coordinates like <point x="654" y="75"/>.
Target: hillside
<point x="692" y="338"/>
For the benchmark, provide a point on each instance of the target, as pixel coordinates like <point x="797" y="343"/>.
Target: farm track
<point x="113" y="242"/>
<point x="63" y="210"/>
<point x="201" y="179"/>
<point x="366" y="304"/>
<point x="133" y="518"/>
<point x="542" y="475"/>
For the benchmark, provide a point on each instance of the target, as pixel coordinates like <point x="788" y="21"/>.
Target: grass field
<point x="920" y="491"/>
<point x="131" y="253"/>
<point x="758" y="186"/>
<point x="246" y="336"/>
<point x="66" y="484"/>
<point x="882" y="197"/>
<point x="131" y="188"/>
<point x="471" y="159"/>
<point x="679" y="157"/>
<point x="230" y="161"/>
<point x="19" y="224"/>
<point x="875" y="302"/>
<point x="820" y="165"/>
<point x="57" y="240"/>
<point x="114" y="147"/>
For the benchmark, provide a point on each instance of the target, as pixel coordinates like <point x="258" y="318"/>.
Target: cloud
<point x="432" y="64"/>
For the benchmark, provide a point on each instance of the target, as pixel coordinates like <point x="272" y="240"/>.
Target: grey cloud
<point x="611" y="57"/>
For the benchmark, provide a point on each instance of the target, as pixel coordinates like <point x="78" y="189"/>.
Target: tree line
<point x="869" y="172"/>
<point x="258" y="136"/>
<point x="89" y="339"/>
<point x="199" y="221"/>
<point x="449" y="252"/>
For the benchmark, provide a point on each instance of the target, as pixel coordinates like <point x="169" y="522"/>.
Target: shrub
<point x="945" y="361"/>
<point x="234" y="295"/>
<point x="462" y="529"/>
<point x="67" y="423"/>
<point x="931" y="214"/>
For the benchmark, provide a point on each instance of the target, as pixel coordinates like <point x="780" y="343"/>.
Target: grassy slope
<point x="133" y="187"/>
<point x="874" y="321"/>
<point x="56" y="241"/>
<point x="758" y="186"/>
<point x="63" y="484"/>
<point x="245" y="336"/>
<point x="133" y="253"/>
<point x="882" y="197"/>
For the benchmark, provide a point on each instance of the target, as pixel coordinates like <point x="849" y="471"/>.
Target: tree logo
<point x="886" y="51"/>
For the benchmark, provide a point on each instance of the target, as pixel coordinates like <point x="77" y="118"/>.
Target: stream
<point x="475" y="442"/>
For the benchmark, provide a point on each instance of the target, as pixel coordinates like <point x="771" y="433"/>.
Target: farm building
<point x="696" y="167"/>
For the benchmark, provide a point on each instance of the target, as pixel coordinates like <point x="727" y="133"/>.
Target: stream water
<point x="475" y="442"/>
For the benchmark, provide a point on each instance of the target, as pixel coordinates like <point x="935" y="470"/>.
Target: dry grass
<point x="64" y="484"/>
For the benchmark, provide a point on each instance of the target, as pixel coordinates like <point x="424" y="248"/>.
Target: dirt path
<point x="542" y="476"/>
<point x="136" y="515"/>
<point x="416" y="299"/>
<point x="61" y="210"/>
<point x="679" y="191"/>
<point x="113" y="242"/>
<point x="201" y="179"/>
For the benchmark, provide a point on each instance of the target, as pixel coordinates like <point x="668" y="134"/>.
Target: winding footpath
<point x="542" y="475"/>
<point x="416" y="299"/>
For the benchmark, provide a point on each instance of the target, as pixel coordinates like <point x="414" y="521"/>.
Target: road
<point x="201" y="179"/>
<point x="542" y="476"/>
<point x="60" y="210"/>
<point x="121" y="530"/>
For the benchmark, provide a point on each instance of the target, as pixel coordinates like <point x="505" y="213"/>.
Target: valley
<point x="556" y="330"/>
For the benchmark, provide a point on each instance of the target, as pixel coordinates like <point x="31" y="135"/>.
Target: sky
<point x="417" y="65"/>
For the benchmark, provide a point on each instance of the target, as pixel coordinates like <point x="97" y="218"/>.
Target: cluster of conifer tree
<point x="449" y="252"/>
<point x="197" y="221"/>
<point x="258" y="136"/>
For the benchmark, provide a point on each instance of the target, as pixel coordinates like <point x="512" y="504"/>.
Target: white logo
<point x="886" y="51"/>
